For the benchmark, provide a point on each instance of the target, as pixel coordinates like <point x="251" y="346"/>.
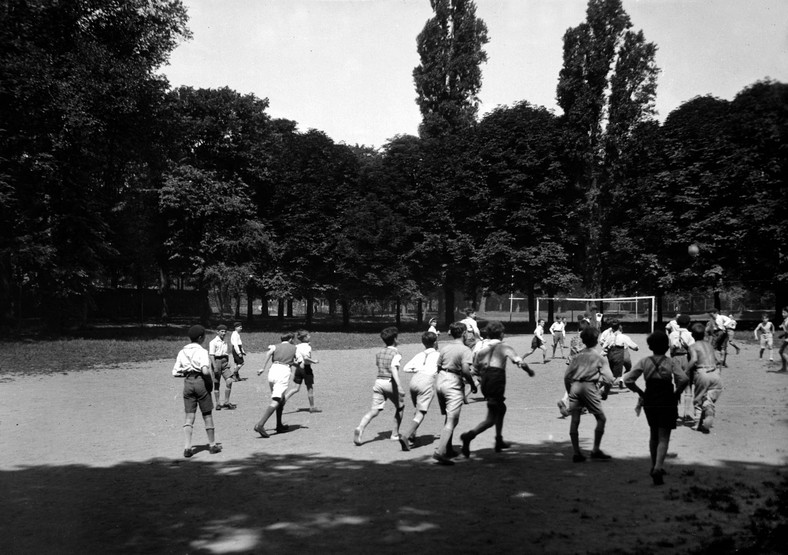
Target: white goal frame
<point x="652" y="298"/>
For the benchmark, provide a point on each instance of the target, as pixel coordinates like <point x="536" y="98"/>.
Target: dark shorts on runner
<point x="494" y="385"/>
<point x="304" y="375"/>
<point x="195" y="394"/>
<point x="238" y="359"/>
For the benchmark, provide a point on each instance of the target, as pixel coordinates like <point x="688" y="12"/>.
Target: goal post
<point x="640" y="309"/>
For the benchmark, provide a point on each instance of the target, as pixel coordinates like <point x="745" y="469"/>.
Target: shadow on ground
<point x="528" y="500"/>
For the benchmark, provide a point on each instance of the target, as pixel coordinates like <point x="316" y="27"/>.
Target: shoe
<point x="657" y="477"/>
<point x="219" y="406"/>
<point x="216" y="448"/>
<point x="261" y="431"/>
<point x="404" y="443"/>
<point x="452" y="454"/>
<point x="395" y="437"/>
<point x="500" y="444"/>
<point x="442" y="460"/>
<point x="282" y="428"/>
<point x="229" y="406"/>
<point x="315" y="409"/>
<point x="600" y="456"/>
<point x="562" y="408"/>
<point x="579" y="458"/>
<point x="412" y="442"/>
<point x="466" y="444"/>
<point x="188" y="453"/>
<point x="737" y="350"/>
<point x="357" y="436"/>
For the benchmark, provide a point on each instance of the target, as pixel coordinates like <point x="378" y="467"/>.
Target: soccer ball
<point x="693" y="250"/>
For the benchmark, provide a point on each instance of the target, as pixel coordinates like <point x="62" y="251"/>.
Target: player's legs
<point x="574" y="435"/>
<point x="784" y="356"/>
<point x="188" y="429"/>
<point x="359" y="431"/>
<point x="599" y="431"/>
<point x="447" y="433"/>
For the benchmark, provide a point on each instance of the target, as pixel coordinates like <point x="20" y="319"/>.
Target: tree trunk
<point x="345" y="313"/>
<point x="290" y="308"/>
<point x="399" y="310"/>
<point x="164" y="285"/>
<point x="310" y="309"/>
<point x="249" y="306"/>
<point x="420" y="312"/>
<point x="550" y="309"/>
<point x="280" y="312"/>
<point x="448" y="292"/>
<point x="531" y="294"/>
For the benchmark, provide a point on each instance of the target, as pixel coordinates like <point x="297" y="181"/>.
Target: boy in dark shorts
<point x="217" y="352"/>
<point x="238" y="351"/>
<point x="194" y="366"/>
<point x="581" y="381"/>
<point x="704" y="369"/>
<point x="490" y="362"/>
<point x="303" y="371"/>
<point x="660" y="399"/>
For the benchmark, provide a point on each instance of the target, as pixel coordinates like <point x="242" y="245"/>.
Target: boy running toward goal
<point x="766" y="339"/>
<point x="422" y="386"/>
<point x="581" y="380"/>
<point x="194" y="366"/>
<point x="705" y="372"/>
<point x="538" y="341"/>
<point x="303" y="371"/>
<point x="283" y="358"/>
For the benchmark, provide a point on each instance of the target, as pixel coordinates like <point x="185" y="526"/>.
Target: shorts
<point x="558" y="339"/>
<point x="386" y="389"/>
<point x="451" y="394"/>
<point x="221" y="367"/>
<point x="195" y="394"/>
<point x="767" y="340"/>
<point x="494" y="385"/>
<point x="536" y="343"/>
<point x="238" y="359"/>
<point x="304" y="375"/>
<point x="278" y="380"/>
<point x="422" y="395"/>
<point x="585" y="395"/>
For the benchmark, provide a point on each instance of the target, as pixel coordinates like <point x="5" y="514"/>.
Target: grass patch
<point x="42" y="357"/>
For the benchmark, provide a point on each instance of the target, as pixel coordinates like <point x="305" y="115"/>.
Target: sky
<point x="345" y="67"/>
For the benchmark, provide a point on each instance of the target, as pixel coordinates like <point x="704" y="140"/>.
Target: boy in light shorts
<point x="766" y="339"/>
<point x="283" y="358"/>
<point x="387" y="385"/>
<point x="422" y="386"/>
<point x="582" y="379"/>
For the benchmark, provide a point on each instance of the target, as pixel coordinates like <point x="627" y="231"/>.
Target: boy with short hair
<point x="387" y="385"/>
<point x="581" y="382"/>
<point x="557" y="330"/>
<point x="538" y="341"/>
<point x="491" y="365"/>
<point x="303" y="371"/>
<point x="614" y="347"/>
<point x="424" y="366"/>
<point x="766" y="338"/>
<point x="217" y="352"/>
<point x="454" y="369"/>
<point x="283" y="358"/>
<point x="705" y="373"/>
<point x="680" y="340"/>
<point x="238" y="351"/>
<point x="194" y="366"/>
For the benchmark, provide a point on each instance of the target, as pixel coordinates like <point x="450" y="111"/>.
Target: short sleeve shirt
<point x="454" y="356"/>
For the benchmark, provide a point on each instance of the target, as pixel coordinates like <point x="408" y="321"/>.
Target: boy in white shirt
<point x="558" y="331"/>
<point x="538" y="341"/>
<point x="303" y="371"/>
<point x="238" y="351"/>
<point x="422" y="386"/>
<point x="766" y="338"/>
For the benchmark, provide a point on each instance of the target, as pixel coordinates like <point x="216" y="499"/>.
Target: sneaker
<point x="579" y="458"/>
<point x="216" y="448"/>
<point x="657" y="477"/>
<point x="188" y="453"/>
<point x="229" y="406"/>
<point x="282" y="428"/>
<point x="466" y="444"/>
<point x="445" y="461"/>
<point x="500" y="444"/>
<point x="395" y="437"/>
<point x="357" y="436"/>
<point x="412" y="442"/>
<point x="219" y="406"/>
<point x="600" y="456"/>
<point x="562" y="408"/>
<point x="404" y="443"/>
<point x="261" y="431"/>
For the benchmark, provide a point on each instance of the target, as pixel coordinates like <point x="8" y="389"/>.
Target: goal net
<point x="635" y="313"/>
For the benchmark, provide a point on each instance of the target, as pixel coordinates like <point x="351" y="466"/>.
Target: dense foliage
<point x="110" y="178"/>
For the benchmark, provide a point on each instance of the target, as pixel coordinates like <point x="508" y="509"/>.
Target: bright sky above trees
<point x="345" y="66"/>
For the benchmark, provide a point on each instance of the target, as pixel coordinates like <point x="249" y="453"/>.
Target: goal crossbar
<point x="651" y="298"/>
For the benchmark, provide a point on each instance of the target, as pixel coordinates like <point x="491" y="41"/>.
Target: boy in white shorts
<point x="422" y="386"/>
<point x="766" y="338"/>
<point x="283" y="359"/>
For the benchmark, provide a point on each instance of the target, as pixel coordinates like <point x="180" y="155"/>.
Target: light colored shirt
<point x="767" y="328"/>
<point x="557" y="327"/>
<point x="672" y="326"/>
<point x="192" y="358"/>
<point x="472" y="326"/>
<point x="680" y="340"/>
<point x="588" y="366"/>
<point x="539" y="332"/>
<point x="235" y="341"/>
<point x="426" y="362"/>
<point x="217" y="347"/>
<point x="303" y="354"/>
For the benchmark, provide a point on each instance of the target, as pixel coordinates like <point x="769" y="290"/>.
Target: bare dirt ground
<point x="92" y="463"/>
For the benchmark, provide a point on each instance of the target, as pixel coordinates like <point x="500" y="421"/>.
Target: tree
<point x="449" y="78"/>
<point x="79" y="92"/>
<point x="606" y="90"/>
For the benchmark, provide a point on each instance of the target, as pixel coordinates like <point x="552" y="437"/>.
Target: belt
<point x="457" y="372"/>
<point x="220" y="356"/>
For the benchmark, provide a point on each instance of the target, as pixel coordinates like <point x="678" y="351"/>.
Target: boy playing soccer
<point x="538" y="341"/>
<point x="766" y="338"/>
<point x="194" y="366"/>
<point x="581" y="382"/>
<point x="303" y="372"/>
<point x="283" y="358"/>
<point x="387" y="385"/>
<point x="454" y="369"/>
<point x="217" y="351"/>
<point x="491" y="364"/>
<point x="422" y="386"/>
<point x="238" y="351"/>
<point x="558" y="331"/>
<point x="705" y="372"/>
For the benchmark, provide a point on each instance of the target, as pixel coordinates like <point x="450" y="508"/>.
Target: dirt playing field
<point x="91" y="462"/>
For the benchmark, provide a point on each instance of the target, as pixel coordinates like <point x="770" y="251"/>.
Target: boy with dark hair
<point x="680" y="340"/>
<point x="659" y="399"/>
<point x="454" y="369"/>
<point x="705" y="372"/>
<point x="194" y="366"/>
<point x="217" y="351"/>
<point x="303" y="371"/>
<point x="387" y="385"/>
<point x="491" y="365"/>
<point x="766" y="339"/>
<point x="238" y="351"/>
<point x="581" y="381"/>
<point x="283" y="358"/>
<point x="424" y="366"/>
<point x="538" y="341"/>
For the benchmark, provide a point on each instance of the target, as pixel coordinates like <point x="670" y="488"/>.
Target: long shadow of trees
<point x="528" y="500"/>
